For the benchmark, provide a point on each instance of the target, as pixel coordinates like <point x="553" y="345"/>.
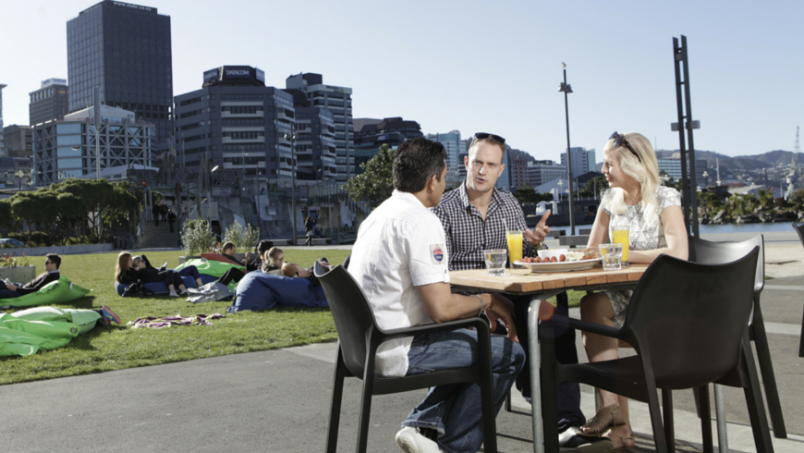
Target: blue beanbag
<point x="158" y="287"/>
<point x="261" y="291"/>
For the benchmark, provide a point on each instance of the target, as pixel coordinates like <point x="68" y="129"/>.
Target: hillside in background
<point x="754" y="162"/>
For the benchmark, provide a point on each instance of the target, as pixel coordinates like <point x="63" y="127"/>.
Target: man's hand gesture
<point x="540" y="232"/>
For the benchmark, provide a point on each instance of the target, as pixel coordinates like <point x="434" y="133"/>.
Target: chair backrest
<point x="708" y="252"/>
<point x="352" y="314"/>
<point x="800" y="230"/>
<point x="691" y="317"/>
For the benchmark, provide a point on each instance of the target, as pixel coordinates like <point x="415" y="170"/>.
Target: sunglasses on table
<point x="619" y="140"/>
<point x="482" y="135"/>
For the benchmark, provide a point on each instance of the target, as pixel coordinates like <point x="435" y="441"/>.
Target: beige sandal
<point x="622" y="439"/>
<point x="598" y="423"/>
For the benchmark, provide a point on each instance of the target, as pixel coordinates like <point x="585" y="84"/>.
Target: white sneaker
<point x="410" y="440"/>
<point x="173" y="294"/>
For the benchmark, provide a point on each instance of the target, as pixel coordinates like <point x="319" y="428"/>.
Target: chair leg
<point x="335" y="406"/>
<point x="720" y="412"/>
<point x="705" y="413"/>
<point x="768" y="376"/>
<point x="489" y="414"/>
<point x="669" y="427"/>
<point x="659" y="439"/>
<point x="365" y="415"/>
<point x="753" y="399"/>
<point x="801" y="339"/>
<point x="508" y="402"/>
<point x="548" y="389"/>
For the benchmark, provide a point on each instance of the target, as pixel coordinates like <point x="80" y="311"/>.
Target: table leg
<point x="535" y="377"/>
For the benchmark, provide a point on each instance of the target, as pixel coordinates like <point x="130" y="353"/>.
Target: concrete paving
<point x="278" y="401"/>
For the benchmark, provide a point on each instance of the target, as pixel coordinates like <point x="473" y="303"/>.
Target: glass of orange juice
<point x="621" y="235"/>
<point x="514" y="239"/>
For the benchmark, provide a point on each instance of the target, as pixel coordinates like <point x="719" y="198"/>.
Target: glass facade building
<point x="66" y="149"/>
<point x="125" y="49"/>
<point x="338" y="100"/>
<point x="2" y="148"/>
<point x="50" y="102"/>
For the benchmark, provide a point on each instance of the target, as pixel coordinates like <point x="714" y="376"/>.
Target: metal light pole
<point x="97" y="131"/>
<point x="567" y="89"/>
<point x="292" y="137"/>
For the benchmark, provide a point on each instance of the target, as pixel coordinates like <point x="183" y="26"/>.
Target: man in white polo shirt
<point x="400" y="261"/>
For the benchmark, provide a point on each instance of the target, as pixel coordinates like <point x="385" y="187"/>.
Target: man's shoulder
<point x="450" y="201"/>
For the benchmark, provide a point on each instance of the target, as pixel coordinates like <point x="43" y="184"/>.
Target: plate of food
<point x="561" y="260"/>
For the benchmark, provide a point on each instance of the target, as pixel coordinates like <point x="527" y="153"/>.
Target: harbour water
<point x="714" y="229"/>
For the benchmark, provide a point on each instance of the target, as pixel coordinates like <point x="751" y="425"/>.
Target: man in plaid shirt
<point x="475" y="217"/>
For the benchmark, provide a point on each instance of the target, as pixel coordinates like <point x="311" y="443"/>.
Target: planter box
<point x="22" y="274"/>
<point x="182" y="259"/>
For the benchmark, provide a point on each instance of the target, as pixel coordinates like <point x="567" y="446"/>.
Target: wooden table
<point x="540" y="286"/>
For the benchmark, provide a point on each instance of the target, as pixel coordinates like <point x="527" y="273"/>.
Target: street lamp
<point x="567" y="89"/>
<point x="292" y="137"/>
<point x="706" y="178"/>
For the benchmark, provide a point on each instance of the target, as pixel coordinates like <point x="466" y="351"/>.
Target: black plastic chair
<point x="707" y="252"/>
<point x="800" y="230"/>
<point x="688" y="323"/>
<point x="358" y="339"/>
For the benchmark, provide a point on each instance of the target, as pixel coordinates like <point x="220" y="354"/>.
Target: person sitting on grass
<point x="294" y="270"/>
<point x="234" y="274"/>
<point x="273" y="260"/>
<point x="51" y="274"/>
<point x="228" y="251"/>
<point x="130" y="270"/>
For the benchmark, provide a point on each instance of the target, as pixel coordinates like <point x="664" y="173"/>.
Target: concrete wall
<point x="61" y="250"/>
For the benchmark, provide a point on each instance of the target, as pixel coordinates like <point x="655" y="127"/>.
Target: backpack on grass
<point x="137" y="289"/>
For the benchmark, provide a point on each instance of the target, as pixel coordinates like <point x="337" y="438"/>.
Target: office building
<point x="67" y="148"/>
<point x="125" y="50"/>
<point x="454" y="145"/>
<point x="338" y="100"/>
<point x="15" y="172"/>
<point x="239" y="123"/>
<point x="50" y="102"/>
<point x="371" y="133"/>
<point x="673" y="169"/>
<point x="2" y="150"/>
<point x="518" y="171"/>
<point x="541" y="172"/>
<point x="18" y="141"/>
<point x="583" y="161"/>
<point x="316" y="154"/>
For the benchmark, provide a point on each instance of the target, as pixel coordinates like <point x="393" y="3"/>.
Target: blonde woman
<point x="653" y="213"/>
<point x="273" y="260"/>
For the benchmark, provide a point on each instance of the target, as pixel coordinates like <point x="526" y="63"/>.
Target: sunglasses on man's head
<point x="482" y="135"/>
<point x="619" y="140"/>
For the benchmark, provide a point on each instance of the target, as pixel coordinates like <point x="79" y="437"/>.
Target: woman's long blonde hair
<point x="645" y="172"/>
<point x="122" y="265"/>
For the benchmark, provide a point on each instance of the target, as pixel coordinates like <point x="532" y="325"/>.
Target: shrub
<point x="244" y="239"/>
<point x="196" y="236"/>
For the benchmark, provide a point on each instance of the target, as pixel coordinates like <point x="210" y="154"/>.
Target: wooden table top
<point x="525" y="281"/>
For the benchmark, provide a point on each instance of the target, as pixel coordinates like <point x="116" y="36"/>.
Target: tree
<point x="376" y="183"/>
<point x="596" y="185"/>
<point x="526" y="195"/>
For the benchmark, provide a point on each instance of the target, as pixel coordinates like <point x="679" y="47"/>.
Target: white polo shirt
<point x="399" y="246"/>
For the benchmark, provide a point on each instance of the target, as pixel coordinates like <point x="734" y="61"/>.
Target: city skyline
<point x="471" y="66"/>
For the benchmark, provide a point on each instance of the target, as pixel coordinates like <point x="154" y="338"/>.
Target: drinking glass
<point x="514" y="240"/>
<point x="495" y="261"/>
<point x="612" y="256"/>
<point x="620" y="235"/>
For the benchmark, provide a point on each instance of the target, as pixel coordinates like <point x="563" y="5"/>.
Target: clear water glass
<point x="495" y="261"/>
<point x="612" y="256"/>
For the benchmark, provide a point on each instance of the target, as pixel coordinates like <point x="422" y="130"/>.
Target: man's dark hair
<point x="227" y="245"/>
<point x="54" y="258"/>
<point x="416" y="160"/>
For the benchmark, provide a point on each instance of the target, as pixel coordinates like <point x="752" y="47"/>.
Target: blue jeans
<point x="191" y="271"/>
<point x="454" y="410"/>
<point x="6" y="293"/>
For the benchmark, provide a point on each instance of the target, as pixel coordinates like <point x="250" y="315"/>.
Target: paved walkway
<point x="277" y="401"/>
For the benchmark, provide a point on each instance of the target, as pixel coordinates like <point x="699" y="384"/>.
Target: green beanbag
<point x="59" y="292"/>
<point x="25" y="332"/>
<point x="209" y="267"/>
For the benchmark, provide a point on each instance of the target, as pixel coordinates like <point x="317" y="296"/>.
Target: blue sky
<point x="478" y="66"/>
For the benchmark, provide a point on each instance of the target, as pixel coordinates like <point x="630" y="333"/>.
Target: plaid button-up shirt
<point x="468" y="234"/>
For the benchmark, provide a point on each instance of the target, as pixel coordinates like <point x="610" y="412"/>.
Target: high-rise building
<point x="543" y="171"/>
<point x="18" y="141"/>
<point x="2" y="150"/>
<point x="338" y="100"/>
<point x="453" y="144"/>
<point x="125" y="50"/>
<point x="239" y="123"/>
<point x="583" y="161"/>
<point x="67" y="148"/>
<point x="672" y="167"/>
<point x="50" y="102"/>
<point x="372" y="134"/>
<point x="518" y="171"/>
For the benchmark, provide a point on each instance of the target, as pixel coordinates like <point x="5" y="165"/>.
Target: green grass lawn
<point x="120" y="347"/>
<point x="115" y="348"/>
